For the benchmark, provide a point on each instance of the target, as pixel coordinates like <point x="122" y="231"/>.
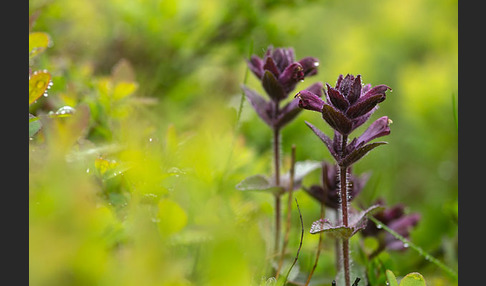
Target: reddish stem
<point x="343" y="179"/>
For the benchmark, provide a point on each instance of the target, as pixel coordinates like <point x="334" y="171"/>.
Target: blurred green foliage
<point x="137" y="186"/>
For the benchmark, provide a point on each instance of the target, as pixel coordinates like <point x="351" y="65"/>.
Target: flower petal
<point x="271" y="66"/>
<point x="379" y="128"/>
<point x="379" y="89"/>
<point x="364" y="105"/>
<point x="336" y="119"/>
<point x="256" y="66"/>
<point x="355" y="90"/>
<point x="309" y="100"/>
<point x="291" y="76"/>
<point x="310" y="65"/>
<point x="292" y="109"/>
<point x="346" y="84"/>
<point x="273" y="88"/>
<point x="336" y="98"/>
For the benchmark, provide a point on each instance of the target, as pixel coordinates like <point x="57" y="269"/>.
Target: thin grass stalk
<point x="276" y="156"/>
<point x="289" y="208"/>
<point x="318" y="252"/>
<point x="300" y="243"/>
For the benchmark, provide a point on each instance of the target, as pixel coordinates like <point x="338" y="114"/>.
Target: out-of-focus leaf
<point x="124" y="89"/>
<point x="34" y="125"/>
<point x="258" y="183"/>
<point x="392" y="280"/>
<point x="302" y="168"/>
<point x="38" y="42"/>
<point x="171" y="217"/>
<point x="102" y="165"/>
<point x="413" y="279"/>
<point x="122" y="72"/>
<point x="63" y="134"/>
<point x="38" y="84"/>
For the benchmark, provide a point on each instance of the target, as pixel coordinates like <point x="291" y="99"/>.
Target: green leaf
<point x="38" y="84"/>
<point x="124" y="89"/>
<point x="302" y="168"/>
<point x="38" y="42"/>
<point x="258" y="183"/>
<point x="390" y="277"/>
<point x="34" y="125"/>
<point x="413" y="279"/>
<point x="171" y="217"/>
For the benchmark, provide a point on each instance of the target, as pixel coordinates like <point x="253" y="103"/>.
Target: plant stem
<point x="276" y="156"/>
<point x="343" y="179"/>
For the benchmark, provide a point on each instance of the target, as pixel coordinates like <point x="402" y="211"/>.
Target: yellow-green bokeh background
<point x="197" y="229"/>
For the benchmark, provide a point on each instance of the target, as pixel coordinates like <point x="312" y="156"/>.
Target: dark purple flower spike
<point x="348" y="105"/>
<point x="279" y="72"/>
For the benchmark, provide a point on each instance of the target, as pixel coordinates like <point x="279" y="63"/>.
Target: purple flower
<point x="395" y="218"/>
<point x="348" y="105"/>
<point x="279" y="74"/>
<point x="328" y="193"/>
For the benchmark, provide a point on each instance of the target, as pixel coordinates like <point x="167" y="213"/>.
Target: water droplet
<point x="387" y="283"/>
<point x="87" y="170"/>
<point x="405" y="245"/>
<point x="379" y="226"/>
<point x="65" y="110"/>
<point x="316" y="64"/>
<point x="150" y="139"/>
